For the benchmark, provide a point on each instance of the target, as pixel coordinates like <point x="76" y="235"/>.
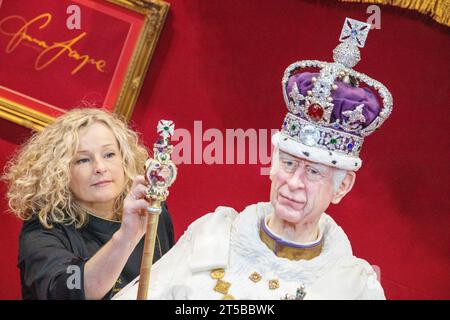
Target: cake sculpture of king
<point x="289" y="248"/>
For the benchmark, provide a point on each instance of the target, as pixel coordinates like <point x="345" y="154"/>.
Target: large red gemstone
<point x="315" y="112"/>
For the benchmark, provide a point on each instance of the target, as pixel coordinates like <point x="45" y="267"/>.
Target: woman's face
<point x="97" y="173"/>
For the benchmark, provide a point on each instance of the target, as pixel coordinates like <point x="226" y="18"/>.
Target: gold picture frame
<point x="153" y="13"/>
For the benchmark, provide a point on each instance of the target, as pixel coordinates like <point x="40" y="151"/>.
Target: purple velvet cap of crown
<point x="345" y="97"/>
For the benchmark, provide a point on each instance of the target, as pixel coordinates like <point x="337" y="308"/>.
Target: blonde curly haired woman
<point x="79" y="187"/>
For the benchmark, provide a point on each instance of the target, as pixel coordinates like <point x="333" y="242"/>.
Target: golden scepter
<point x="160" y="173"/>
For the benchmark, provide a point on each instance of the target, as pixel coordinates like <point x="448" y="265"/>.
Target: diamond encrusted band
<point x="328" y="139"/>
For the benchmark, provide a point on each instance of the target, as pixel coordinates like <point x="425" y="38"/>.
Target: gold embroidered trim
<point x="439" y="10"/>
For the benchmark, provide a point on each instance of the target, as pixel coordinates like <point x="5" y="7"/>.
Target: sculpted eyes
<point x="312" y="171"/>
<point x="289" y="165"/>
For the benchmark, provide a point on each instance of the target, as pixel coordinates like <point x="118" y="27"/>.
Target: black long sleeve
<point x="51" y="260"/>
<point x="44" y="260"/>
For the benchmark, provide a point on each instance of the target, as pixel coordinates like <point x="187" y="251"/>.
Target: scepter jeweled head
<point x="160" y="171"/>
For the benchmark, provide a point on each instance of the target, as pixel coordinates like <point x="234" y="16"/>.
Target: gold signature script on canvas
<point x="50" y="51"/>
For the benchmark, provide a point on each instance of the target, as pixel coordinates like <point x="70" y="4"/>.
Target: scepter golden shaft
<point x="148" y="253"/>
<point x="160" y="173"/>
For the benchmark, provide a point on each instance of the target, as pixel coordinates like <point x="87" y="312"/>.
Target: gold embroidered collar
<point x="289" y="250"/>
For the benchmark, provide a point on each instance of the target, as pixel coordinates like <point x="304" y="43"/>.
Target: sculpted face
<point x="301" y="190"/>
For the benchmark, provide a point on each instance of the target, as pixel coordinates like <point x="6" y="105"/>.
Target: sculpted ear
<point x="274" y="162"/>
<point x="345" y="187"/>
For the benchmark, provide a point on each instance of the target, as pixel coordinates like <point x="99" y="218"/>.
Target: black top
<point x="51" y="261"/>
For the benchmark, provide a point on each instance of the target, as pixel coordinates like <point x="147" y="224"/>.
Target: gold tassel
<point x="439" y="10"/>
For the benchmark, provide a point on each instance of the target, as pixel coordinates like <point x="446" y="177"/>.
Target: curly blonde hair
<point x="38" y="175"/>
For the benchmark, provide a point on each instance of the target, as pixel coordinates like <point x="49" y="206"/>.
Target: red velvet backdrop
<point x="221" y="62"/>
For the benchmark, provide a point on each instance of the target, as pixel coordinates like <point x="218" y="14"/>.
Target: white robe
<point x="226" y="239"/>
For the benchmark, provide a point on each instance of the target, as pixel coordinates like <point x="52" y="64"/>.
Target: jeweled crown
<point x="335" y="107"/>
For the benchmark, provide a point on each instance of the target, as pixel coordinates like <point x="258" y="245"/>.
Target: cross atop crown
<point x="355" y="31"/>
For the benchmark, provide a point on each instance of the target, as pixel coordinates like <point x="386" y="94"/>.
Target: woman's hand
<point x="135" y="214"/>
<point x="116" y="252"/>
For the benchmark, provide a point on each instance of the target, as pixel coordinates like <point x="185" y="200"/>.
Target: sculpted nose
<point x="296" y="180"/>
